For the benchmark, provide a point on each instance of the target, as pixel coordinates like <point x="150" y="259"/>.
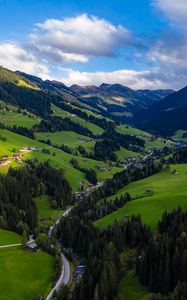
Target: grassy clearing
<point x="25" y="84"/>
<point x="125" y="129"/>
<point x="24" y="275"/>
<point x="178" y="136"/>
<point x="131" y="289"/>
<point x="62" y="113"/>
<point x="15" y="116"/>
<point x="9" y="237"/>
<point x="44" y="208"/>
<point x="156" y="143"/>
<point x="123" y="153"/>
<point x="169" y="192"/>
<point x="10" y="118"/>
<point x="69" y="138"/>
<point x="57" y="158"/>
<point x="60" y="160"/>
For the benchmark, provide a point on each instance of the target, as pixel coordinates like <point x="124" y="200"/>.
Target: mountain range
<point x="109" y="100"/>
<point x="162" y="112"/>
<point x="166" y="116"/>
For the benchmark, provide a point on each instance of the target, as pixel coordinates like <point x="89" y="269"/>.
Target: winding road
<point x="65" y="273"/>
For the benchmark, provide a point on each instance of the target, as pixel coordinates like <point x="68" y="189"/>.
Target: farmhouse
<point x="31" y="247"/>
<point x="17" y="157"/>
<point x="4" y="160"/>
<point x="32" y="148"/>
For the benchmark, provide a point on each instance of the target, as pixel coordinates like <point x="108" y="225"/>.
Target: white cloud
<point x="55" y="43"/>
<point x="131" y="78"/>
<point x="15" y="57"/>
<point x="79" y="38"/>
<point x="176" y="10"/>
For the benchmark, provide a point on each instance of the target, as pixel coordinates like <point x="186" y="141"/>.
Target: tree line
<point x="162" y="267"/>
<point x="100" y="250"/>
<point x="19" y="187"/>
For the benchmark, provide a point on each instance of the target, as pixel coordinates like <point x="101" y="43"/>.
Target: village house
<point x="4" y="160"/>
<point x="32" y="148"/>
<point x="31" y="247"/>
<point x="17" y="157"/>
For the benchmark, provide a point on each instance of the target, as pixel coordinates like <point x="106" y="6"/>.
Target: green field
<point x="69" y="138"/>
<point x="16" y="117"/>
<point x="131" y="289"/>
<point x="60" y="159"/>
<point x="178" y="136"/>
<point x="169" y="192"/>
<point x="9" y="237"/>
<point x="64" y="114"/>
<point x="24" y="275"/>
<point x="123" y="153"/>
<point x="12" y="118"/>
<point x="44" y="208"/>
<point x="147" y="137"/>
<point x="126" y="129"/>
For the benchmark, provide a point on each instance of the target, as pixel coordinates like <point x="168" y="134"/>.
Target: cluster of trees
<point x="91" y="175"/>
<point x="108" y="206"/>
<point x="124" y="140"/>
<point x="19" y="130"/>
<point x="38" y="102"/>
<point x="127" y="176"/>
<point x="55" y="123"/>
<point x="104" y="207"/>
<point x="19" y="188"/>
<point x="3" y="138"/>
<point x="179" y="157"/>
<point x="22" y="130"/>
<point x="112" y="141"/>
<point x="163" y="265"/>
<point x="100" y="250"/>
<point x="104" y="150"/>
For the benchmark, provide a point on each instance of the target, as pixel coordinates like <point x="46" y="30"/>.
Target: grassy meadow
<point x="9" y="237"/>
<point x="24" y="275"/>
<point x="69" y="138"/>
<point x="13" y="116"/>
<point x="43" y="204"/>
<point x="169" y="192"/>
<point x="56" y="158"/>
<point x="64" y="114"/>
<point x="131" y="289"/>
<point x="178" y="136"/>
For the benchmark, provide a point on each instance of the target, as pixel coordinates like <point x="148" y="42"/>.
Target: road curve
<point x="65" y="273"/>
<point x="63" y="279"/>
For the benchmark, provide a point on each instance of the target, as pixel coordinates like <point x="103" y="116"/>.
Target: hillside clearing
<point x="57" y="158"/>
<point x="64" y="114"/>
<point x="169" y="192"/>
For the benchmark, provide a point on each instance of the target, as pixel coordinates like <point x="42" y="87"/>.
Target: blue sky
<point x="142" y="44"/>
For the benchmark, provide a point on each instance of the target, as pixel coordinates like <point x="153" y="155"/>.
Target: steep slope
<point x="109" y="100"/>
<point x="118" y="100"/>
<point x="18" y="91"/>
<point x="166" y="116"/>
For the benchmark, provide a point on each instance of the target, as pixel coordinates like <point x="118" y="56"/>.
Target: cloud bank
<point x="54" y="44"/>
